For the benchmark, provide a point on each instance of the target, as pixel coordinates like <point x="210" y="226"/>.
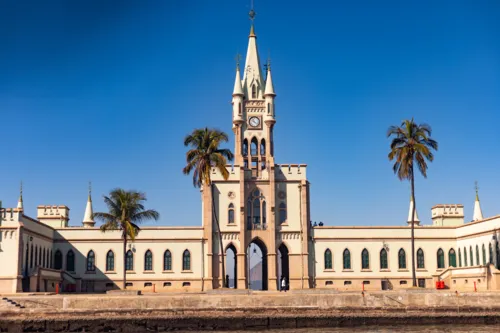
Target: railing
<point x="255" y="223"/>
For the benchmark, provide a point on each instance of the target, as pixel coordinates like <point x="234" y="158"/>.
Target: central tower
<point x="253" y="112"/>
<point x="262" y="204"/>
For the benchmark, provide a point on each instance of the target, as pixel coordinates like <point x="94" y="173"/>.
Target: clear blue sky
<point x="107" y="90"/>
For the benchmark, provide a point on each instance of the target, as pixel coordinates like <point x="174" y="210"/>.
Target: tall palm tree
<point x="203" y="155"/>
<point x="126" y="211"/>
<point x="411" y="143"/>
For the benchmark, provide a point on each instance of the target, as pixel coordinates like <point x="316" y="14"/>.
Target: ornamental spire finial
<point x="251" y="15"/>
<point x="20" y="204"/>
<point x="477" y="190"/>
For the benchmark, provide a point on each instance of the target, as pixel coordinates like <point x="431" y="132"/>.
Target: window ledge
<point x="231" y="225"/>
<point x="348" y="270"/>
<point x="439" y="269"/>
<point x="284" y="224"/>
<point x="366" y="270"/>
<point x="187" y="271"/>
<point x="110" y="272"/>
<point x="385" y="270"/>
<point x="130" y="272"/>
<point x="329" y="270"/>
<point x="168" y="272"/>
<point x="421" y="270"/>
<point x="89" y="272"/>
<point x="403" y="270"/>
<point x="148" y="272"/>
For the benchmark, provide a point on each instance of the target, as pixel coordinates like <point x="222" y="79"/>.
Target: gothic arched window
<point x="36" y="256"/>
<point x="148" y="261"/>
<point x="58" y="260"/>
<point x="402" y="259"/>
<point x="491" y="253"/>
<point x="383" y="259"/>
<point x="239" y="109"/>
<point x="452" y="258"/>
<point x="245" y="147"/>
<point x="70" y="261"/>
<point x="31" y="256"/>
<point x="254" y="91"/>
<point x="91" y="261"/>
<point x="471" y="256"/>
<point x="346" y="258"/>
<point x="186" y="261"/>
<point x="110" y="261"/>
<point x="262" y="147"/>
<point x="484" y="255"/>
<point x="459" y="258"/>
<point x="283" y="214"/>
<point x="420" y="259"/>
<point x="44" y="257"/>
<point x="230" y="213"/>
<point x="465" y="257"/>
<point x="440" y="258"/>
<point x="328" y="259"/>
<point x="365" y="259"/>
<point x="167" y="261"/>
<point x="478" y="262"/>
<point x="253" y="147"/>
<point x="256" y="206"/>
<point x="129" y="261"/>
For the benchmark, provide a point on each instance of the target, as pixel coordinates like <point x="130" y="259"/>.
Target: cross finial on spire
<point x="252" y="13"/>
<point x="90" y="190"/>
<point x="477" y="190"/>
<point x="237" y="58"/>
<point x="21" y="189"/>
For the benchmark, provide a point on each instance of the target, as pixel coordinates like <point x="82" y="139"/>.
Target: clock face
<point x="254" y="121"/>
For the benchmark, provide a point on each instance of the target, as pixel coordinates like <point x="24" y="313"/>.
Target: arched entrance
<point x="257" y="265"/>
<point x="231" y="266"/>
<point x="283" y="265"/>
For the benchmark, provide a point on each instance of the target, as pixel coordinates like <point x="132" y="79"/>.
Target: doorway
<point x="257" y="265"/>
<point x="231" y="267"/>
<point x="283" y="266"/>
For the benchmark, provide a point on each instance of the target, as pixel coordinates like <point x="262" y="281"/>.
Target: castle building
<point x="262" y="204"/>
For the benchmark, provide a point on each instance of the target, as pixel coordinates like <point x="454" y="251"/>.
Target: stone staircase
<point x="8" y="303"/>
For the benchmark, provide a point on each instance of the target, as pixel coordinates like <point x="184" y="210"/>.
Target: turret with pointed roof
<point x="478" y="213"/>
<point x="20" y="203"/>
<point x="88" y="219"/>
<point x="416" y="220"/>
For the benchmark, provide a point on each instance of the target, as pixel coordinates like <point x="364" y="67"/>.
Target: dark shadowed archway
<point x="283" y="264"/>
<point x="231" y="266"/>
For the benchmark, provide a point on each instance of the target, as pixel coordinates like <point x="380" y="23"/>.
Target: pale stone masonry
<point x="261" y="203"/>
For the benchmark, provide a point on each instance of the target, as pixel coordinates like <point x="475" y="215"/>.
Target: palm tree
<point x="411" y="143"/>
<point x="201" y="158"/>
<point x="126" y="211"/>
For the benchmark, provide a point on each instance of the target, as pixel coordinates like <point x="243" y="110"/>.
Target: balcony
<point x="254" y="223"/>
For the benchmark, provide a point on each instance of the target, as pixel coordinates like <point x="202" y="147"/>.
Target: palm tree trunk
<point x="220" y="238"/>
<point x="124" y="262"/>
<point x="413" y="271"/>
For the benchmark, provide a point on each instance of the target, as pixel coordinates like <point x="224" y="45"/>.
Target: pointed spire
<point x="478" y="213"/>
<point x="410" y="212"/>
<point x="269" y="81"/>
<point x="20" y="203"/>
<point x="253" y="83"/>
<point x="237" y="81"/>
<point x="88" y="219"/>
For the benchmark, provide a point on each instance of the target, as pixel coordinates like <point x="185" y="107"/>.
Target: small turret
<point x="20" y="203"/>
<point x="88" y="219"/>
<point x="238" y="96"/>
<point x="478" y="213"/>
<point x="416" y="220"/>
<point x="269" y="95"/>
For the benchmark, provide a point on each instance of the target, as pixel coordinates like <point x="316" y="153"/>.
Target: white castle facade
<point x="262" y="203"/>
